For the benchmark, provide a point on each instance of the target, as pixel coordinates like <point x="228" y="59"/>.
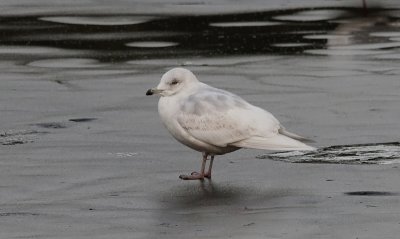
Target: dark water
<point x="86" y="41"/>
<point x="115" y="38"/>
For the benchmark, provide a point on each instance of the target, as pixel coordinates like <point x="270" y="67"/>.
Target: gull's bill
<point x="153" y="91"/>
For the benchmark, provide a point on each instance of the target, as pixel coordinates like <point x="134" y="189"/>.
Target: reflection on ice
<point x="318" y="15"/>
<point x="358" y="36"/>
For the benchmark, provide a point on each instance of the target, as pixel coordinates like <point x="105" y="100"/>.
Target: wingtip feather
<point x="278" y="142"/>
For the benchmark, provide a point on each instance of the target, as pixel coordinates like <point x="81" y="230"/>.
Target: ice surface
<point x="385" y="153"/>
<point x="116" y="176"/>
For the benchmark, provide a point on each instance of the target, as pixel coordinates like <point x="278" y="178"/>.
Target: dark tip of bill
<point x="149" y="92"/>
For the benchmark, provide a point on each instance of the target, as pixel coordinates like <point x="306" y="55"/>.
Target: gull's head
<point x="173" y="82"/>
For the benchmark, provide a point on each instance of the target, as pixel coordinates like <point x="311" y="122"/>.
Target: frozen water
<point x="63" y="175"/>
<point x="385" y="153"/>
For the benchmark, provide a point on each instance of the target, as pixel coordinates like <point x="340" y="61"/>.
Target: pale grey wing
<point x="217" y="129"/>
<point x="220" y="118"/>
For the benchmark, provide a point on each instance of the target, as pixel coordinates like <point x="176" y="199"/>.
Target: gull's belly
<point x="168" y="110"/>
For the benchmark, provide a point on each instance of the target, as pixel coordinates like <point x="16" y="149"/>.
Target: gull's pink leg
<point x="196" y="175"/>
<point x="208" y="174"/>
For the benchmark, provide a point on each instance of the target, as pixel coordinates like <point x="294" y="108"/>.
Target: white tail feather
<point x="278" y="142"/>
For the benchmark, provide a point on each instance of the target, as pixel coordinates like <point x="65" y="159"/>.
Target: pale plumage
<point x="214" y="121"/>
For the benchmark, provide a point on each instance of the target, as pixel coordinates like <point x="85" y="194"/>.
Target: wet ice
<point x="384" y="153"/>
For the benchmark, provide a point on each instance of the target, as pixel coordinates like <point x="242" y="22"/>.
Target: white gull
<point x="215" y="122"/>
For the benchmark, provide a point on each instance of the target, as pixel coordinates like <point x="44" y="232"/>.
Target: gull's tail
<point x="279" y="142"/>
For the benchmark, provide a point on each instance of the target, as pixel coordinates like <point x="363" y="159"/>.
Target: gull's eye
<point x="174" y="82"/>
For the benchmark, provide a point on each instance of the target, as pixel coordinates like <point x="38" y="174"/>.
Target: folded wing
<point x="223" y="119"/>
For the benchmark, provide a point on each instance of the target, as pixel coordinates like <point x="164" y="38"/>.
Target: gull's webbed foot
<point x="201" y="175"/>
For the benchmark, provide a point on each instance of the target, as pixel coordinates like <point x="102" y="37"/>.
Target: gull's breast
<point x="169" y="109"/>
